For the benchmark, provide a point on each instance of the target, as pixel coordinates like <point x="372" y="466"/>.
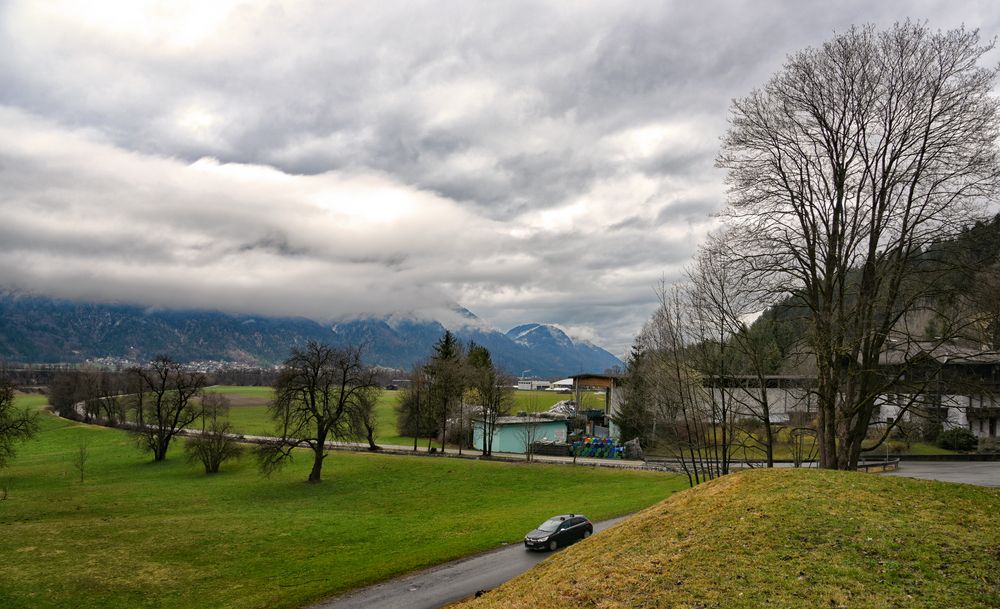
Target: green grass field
<point x="139" y="534"/>
<point x="249" y="411"/>
<point x="795" y="539"/>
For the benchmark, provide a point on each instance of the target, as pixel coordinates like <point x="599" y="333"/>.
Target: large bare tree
<point x="164" y="403"/>
<point x="316" y="395"/>
<point x="852" y="159"/>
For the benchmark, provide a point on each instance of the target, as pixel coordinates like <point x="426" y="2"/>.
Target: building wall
<point x="978" y="413"/>
<point x="614" y="406"/>
<point x="972" y="412"/>
<point x="780" y="400"/>
<point x="510" y="438"/>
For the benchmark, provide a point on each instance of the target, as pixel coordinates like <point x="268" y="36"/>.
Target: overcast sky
<point x="534" y="162"/>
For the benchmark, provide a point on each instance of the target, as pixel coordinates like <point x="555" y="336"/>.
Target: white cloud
<point x="536" y="162"/>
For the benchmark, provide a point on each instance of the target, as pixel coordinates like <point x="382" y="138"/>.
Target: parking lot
<point x="981" y="473"/>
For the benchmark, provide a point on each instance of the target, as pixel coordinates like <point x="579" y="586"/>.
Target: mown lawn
<point x="795" y="539"/>
<point x="139" y="534"/>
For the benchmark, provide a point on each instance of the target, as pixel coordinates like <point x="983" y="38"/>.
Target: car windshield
<point x="550" y="525"/>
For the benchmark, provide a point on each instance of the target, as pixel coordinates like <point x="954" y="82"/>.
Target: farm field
<point x="164" y="535"/>
<point x="249" y="409"/>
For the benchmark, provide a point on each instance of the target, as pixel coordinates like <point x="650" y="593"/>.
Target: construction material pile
<point x="598" y="448"/>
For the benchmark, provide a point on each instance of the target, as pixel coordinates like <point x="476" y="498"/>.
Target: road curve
<point x="447" y="583"/>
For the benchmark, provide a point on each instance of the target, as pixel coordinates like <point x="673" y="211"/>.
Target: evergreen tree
<point x="447" y="381"/>
<point x="635" y="416"/>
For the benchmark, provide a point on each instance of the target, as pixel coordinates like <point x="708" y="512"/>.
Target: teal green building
<point x="513" y="434"/>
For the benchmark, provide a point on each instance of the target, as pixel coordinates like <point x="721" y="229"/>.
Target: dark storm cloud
<point x="534" y="161"/>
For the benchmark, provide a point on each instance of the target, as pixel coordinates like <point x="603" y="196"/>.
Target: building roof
<point x="596" y="380"/>
<point x="588" y="375"/>
<point x="539" y="418"/>
<point x="947" y="352"/>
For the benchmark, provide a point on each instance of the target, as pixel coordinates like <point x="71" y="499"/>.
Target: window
<point x="550" y="525"/>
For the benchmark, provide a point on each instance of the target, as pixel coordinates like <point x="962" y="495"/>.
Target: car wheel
<point x="553" y="545"/>
<point x="586" y="534"/>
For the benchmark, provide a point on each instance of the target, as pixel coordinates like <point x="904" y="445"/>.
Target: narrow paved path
<point x="447" y="583"/>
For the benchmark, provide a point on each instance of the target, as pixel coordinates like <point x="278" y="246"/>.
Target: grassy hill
<point x="783" y="538"/>
<point x="165" y="535"/>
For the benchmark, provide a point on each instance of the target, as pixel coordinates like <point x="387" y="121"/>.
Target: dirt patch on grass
<point x="236" y="400"/>
<point x="243" y="400"/>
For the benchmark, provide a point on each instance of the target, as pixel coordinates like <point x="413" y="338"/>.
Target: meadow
<point x="164" y="535"/>
<point x="249" y="409"/>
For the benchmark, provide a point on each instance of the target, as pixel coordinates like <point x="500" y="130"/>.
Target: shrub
<point x="213" y="447"/>
<point x="957" y="439"/>
<point x="989" y="445"/>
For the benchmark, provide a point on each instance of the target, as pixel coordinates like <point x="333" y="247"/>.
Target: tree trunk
<point x="416" y="432"/>
<point x="319" y="453"/>
<point x="317" y="468"/>
<point x="769" y="434"/>
<point x="160" y="449"/>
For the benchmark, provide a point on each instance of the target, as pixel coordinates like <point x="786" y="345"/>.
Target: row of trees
<point x="456" y="386"/>
<point x="321" y="394"/>
<point x="694" y="383"/>
<point x="845" y="171"/>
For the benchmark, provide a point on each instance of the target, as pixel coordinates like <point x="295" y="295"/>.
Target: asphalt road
<point x="980" y="473"/>
<point x="446" y="583"/>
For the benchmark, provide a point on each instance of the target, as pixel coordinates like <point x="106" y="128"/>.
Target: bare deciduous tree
<point x="413" y="410"/>
<point x="80" y="458"/>
<point x="16" y="424"/>
<point x="314" y="397"/>
<point x="164" y="403"/>
<point x="681" y="407"/>
<point x="853" y="158"/>
<point x="492" y="391"/>
<point x="739" y="359"/>
<point x="216" y="443"/>
<point x="528" y="434"/>
<point x="363" y="419"/>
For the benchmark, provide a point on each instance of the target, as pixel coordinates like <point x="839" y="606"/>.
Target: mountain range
<point x="36" y="329"/>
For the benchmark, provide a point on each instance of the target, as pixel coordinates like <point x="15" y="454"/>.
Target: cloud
<point x="533" y="161"/>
